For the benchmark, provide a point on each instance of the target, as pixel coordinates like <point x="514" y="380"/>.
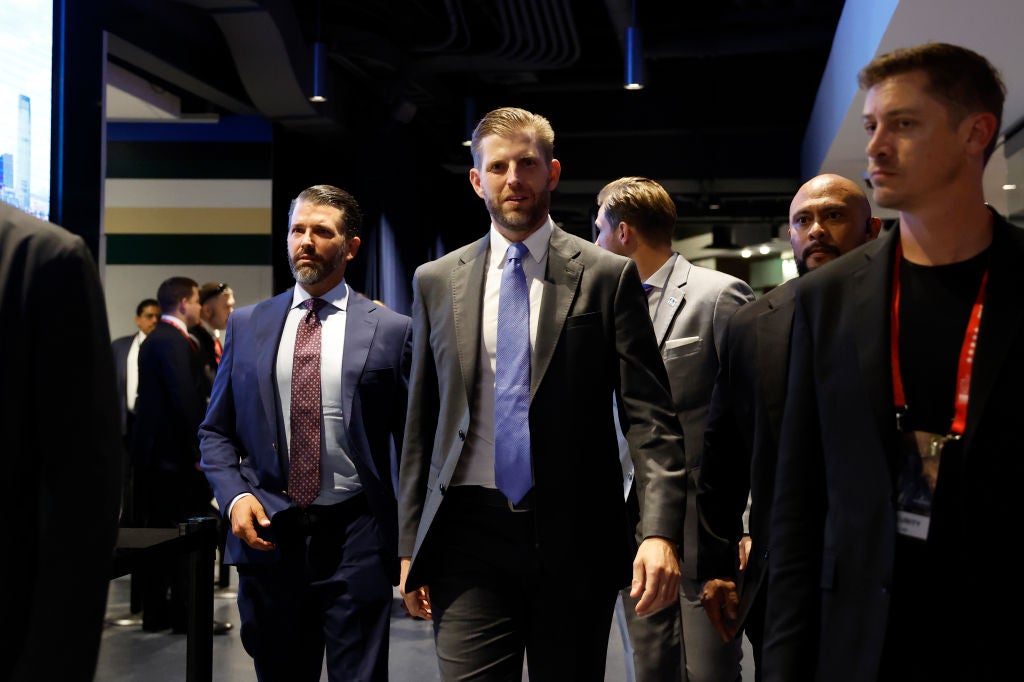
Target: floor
<point x="128" y="654"/>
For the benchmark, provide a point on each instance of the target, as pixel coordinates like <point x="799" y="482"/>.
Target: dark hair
<point x="172" y="290"/>
<point x="642" y="203"/>
<point x="211" y="290"/>
<point x="329" y="195"/>
<point x="505" y="121"/>
<point x="964" y="80"/>
<point x="145" y="303"/>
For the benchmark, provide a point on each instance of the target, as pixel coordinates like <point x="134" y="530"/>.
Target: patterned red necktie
<point x="304" y="449"/>
<point x="218" y="349"/>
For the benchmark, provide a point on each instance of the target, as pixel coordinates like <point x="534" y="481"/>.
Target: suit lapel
<point x="267" y="324"/>
<point x="467" y="284"/>
<point x="360" y="325"/>
<point x="1001" y="319"/>
<point x="868" y="289"/>
<point x="561" y="284"/>
<point x="773" y="328"/>
<point x="673" y="298"/>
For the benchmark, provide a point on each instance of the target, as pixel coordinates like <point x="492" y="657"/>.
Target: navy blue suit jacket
<point x="243" y="448"/>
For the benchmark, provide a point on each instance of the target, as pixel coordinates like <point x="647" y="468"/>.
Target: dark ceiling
<point x="729" y="84"/>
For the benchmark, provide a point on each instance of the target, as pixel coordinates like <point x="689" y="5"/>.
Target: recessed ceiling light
<point x="746" y="253"/>
<point x="1009" y="187"/>
<point x="764" y="249"/>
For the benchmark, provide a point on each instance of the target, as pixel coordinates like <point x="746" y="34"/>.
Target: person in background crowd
<point x="513" y="528"/>
<point x="62" y="451"/>
<point x="689" y="307"/>
<point x="216" y="303"/>
<point x="126" y="369"/>
<point x="170" y="488"/>
<point x="828" y="217"/>
<point x="310" y="398"/>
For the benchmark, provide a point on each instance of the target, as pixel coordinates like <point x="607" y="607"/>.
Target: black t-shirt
<point x="935" y="308"/>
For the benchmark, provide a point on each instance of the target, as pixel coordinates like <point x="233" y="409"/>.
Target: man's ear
<point x="874" y="227"/>
<point x="625" y="232"/>
<point x="982" y="127"/>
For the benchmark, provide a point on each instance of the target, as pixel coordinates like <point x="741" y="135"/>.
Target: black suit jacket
<point x="62" y="451"/>
<point x="742" y="441"/>
<point x="207" y="359"/>
<point x="169" y="406"/>
<point x="834" y="521"/>
<point x="120" y="347"/>
<point x="594" y="338"/>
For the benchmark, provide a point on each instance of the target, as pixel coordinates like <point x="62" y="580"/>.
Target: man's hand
<point x="655" y="576"/>
<point x="417" y="602"/>
<point x="245" y="514"/>
<point x="721" y="603"/>
<point x="744" y="550"/>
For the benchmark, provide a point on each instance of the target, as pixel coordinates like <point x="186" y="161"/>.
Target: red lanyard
<point x="963" y="372"/>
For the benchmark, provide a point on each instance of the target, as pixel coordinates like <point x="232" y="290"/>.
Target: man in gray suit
<point x="536" y="567"/>
<point x="690" y="307"/>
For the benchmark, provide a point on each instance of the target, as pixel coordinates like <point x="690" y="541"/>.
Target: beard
<point x="801" y="263"/>
<point x="515" y="220"/>
<point x="312" y="273"/>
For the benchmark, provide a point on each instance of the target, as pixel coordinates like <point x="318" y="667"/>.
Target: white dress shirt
<point x="476" y="465"/>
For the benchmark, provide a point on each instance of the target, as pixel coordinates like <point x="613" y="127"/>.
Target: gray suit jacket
<point x="594" y="338"/>
<point x="689" y="325"/>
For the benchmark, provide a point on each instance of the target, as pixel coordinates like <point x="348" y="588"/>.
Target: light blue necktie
<point x="512" y="472"/>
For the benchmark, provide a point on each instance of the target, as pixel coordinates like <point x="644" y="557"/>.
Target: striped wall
<point x="190" y="199"/>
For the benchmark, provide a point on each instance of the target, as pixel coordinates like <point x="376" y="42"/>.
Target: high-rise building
<point x="23" y="165"/>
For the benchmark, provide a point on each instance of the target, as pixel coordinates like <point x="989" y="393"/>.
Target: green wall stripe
<point x="189" y="249"/>
<point x="240" y="160"/>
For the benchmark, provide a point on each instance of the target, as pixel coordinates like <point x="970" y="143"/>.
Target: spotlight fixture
<point x="764" y="249"/>
<point x="634" y="55"/>
<point x="746" y="253"/>
<point x="319" y="73"/>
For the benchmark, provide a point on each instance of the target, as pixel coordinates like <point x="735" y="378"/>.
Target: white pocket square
<point x="685" y="341"/>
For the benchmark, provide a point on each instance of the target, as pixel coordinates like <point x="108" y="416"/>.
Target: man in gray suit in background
<point x="689" y="307"/>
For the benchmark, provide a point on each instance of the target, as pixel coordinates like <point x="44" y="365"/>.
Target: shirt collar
<point x="337" y="297"/>
<point x="660" y="278"/>
<point x="171" y="319"/>
<point x="537" y="243"/>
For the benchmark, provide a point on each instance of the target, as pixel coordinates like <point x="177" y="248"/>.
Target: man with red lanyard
<point x="900" y="461"/>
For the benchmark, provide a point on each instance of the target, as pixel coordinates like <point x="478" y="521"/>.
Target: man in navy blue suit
<point x="315" y="565"/>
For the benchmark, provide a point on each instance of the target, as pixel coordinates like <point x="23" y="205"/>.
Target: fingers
<point x="245" y="514"/>
<point x="655" y="576"/>
<point x="721" y="604"/>
<point x="744" y="551"/>
<point x="417" y="603"/>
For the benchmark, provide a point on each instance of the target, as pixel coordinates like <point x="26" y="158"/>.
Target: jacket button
<point x="462" y="435"/>
<point x="441" y="488"/>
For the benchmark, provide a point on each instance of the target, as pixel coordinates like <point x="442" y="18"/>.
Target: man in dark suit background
<point x="169" y="488"/>
<point x="126" y="370"/>
<point x="690" y="307"/>
<point x="62" y="458"/>
<point x="126" y="360"/>
<point x="829" y="216"/>
<point x="898" y="483"/>
<point x="304" y="474"/>
<point x="518" y="542"/>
